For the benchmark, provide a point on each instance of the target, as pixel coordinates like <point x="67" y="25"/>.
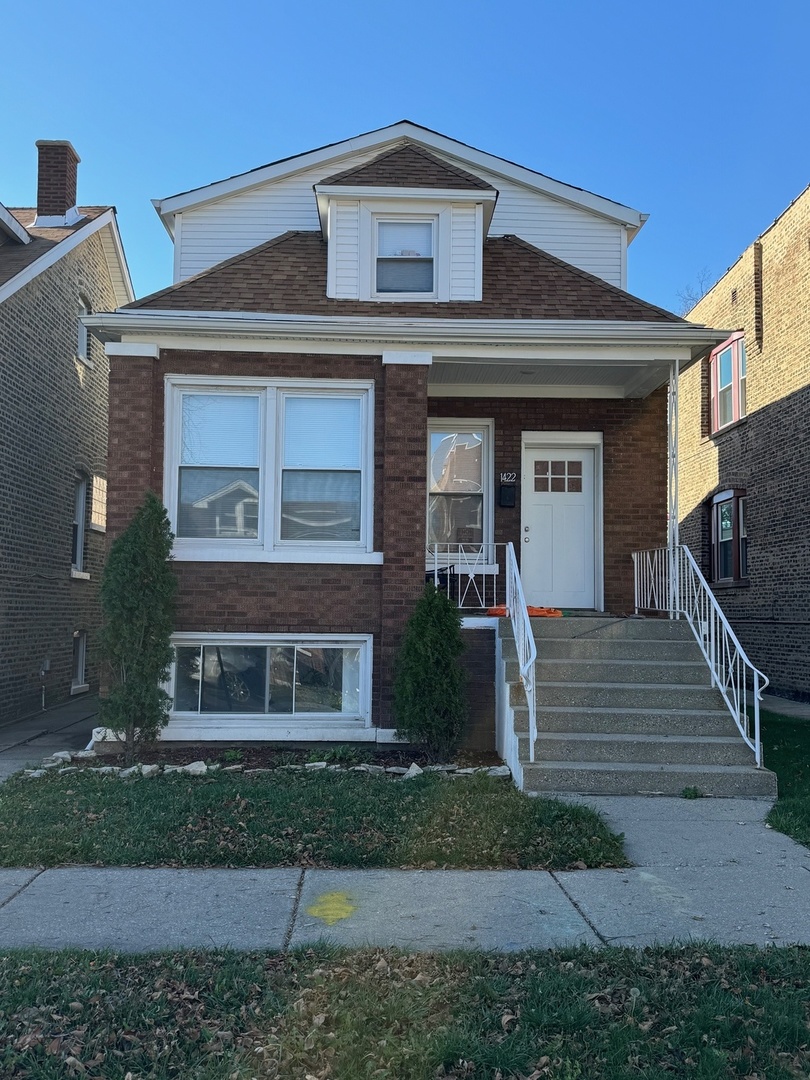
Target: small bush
<point x="429" y="702"/>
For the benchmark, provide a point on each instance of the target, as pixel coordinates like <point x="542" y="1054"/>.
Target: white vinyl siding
<point x="344" y="250"/>
<point x="226" y="227"/>
<point x="465" y="283"/>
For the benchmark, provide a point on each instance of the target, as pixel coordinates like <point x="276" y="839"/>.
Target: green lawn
<point x="614" y="1014"/>
<point x="786" y="747"/>
<point x="295" y="819"/>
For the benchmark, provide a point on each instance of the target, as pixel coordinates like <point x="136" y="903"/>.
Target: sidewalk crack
<point x="22" y="888"/>
<point x="294" y="913"/>
<point x="577" y="908"/>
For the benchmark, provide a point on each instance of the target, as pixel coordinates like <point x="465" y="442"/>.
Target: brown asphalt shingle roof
<point x="287" y="275"/>
<point x="14" y="258"/>
<point x="409" y="166"/>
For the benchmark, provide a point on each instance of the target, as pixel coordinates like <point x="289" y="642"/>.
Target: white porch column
<point x="672" y="491"/>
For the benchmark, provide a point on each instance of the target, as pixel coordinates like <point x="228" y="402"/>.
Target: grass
<point x="338" y="819"/>
<point x="786" y="747"/>
<point x="616" y="1014"/>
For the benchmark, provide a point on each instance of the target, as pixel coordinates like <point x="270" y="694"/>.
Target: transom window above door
<point x="459" y="507"/>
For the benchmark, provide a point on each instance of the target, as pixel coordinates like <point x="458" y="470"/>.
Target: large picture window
<point x="270" y="677"/>
<point x="459" y="492"/>
<point x="259" y="469"/>
<point x="728" y="382"/>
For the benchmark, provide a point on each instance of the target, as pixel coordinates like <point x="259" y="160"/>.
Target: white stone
<point x="440" y="768"/>
<point x="34" y="773"/>
<point x="48" y="764"/>
<point x="81" y="755"/>
<point x="68" y="768"/>
<point x="373" y="768"/>
<point x="233" y="768"/>
<point x="196" y="768"/>
<point x="108" y="770"/>
<point x="499" y="770"/>
<point x="465" y="772"/>
<point x="173" y="768"/>
<point x="253" y="772"/>
<point x="414" y="770"/>
<point x="316" y="765"/>
<point x="149" y="770"/>
<point x="62" y="755"/>
<point x="133" y="770"/>
<point x="396" y="770"/>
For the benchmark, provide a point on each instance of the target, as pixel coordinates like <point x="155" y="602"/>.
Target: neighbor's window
<point x="728" y="374"/>
<point x="311" y="680"/>
<point x="459" y="492"/>
<point x="272" y="466"/>
<point x="729" y="537"/>
<point x="98" y="504"/>
<point x="79" y="515"/>
<point x="81" y="331"/>
<point x="78" y="680"/>
<point x="405" y="256"/>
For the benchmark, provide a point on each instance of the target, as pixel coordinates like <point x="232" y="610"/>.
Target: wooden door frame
<point x="575" y="440"/>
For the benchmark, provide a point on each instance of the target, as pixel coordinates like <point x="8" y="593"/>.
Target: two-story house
<point x="745" y="457"/>
<point x="390" y="356"/>
<point x="58" y="261"/>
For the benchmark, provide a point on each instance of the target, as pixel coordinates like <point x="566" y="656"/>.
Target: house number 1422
<point x="508" y="477"/>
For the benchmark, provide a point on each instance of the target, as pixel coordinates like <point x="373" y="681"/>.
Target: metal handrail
<point x="469" y="573"/>
<point x="524" y="639"/>
<point x="669" y="579"/>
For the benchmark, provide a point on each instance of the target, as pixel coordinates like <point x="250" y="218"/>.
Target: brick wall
<point x="635" y="469"/>
<point x="767" y="454"/>
<point x="54" y="412"/>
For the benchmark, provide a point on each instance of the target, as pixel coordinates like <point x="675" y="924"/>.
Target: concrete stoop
<point x="626" y="707"/>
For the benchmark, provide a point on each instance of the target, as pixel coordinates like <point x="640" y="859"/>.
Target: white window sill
<point x="79" y="575"/>
<point x="213" y="553"/>
<point x="84" y="361"/>
<point x="81" y="688"/>
<point x="98" y="528"/>
<point x="224" y="727"/>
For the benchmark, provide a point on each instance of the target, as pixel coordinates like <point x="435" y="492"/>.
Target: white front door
<point x="558" y="549"/>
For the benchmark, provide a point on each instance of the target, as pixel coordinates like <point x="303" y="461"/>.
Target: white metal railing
<point x="470" y="574"/>
<point x="669" y="579"/>
<point x="524" y="639"/>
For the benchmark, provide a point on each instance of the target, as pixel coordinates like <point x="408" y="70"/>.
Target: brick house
<point x="391" y="356"/>
<point x="744" y="460"/>
<point x="57" y="262"/>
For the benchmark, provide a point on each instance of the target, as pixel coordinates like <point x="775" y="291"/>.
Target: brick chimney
<point x="56" y="183"/>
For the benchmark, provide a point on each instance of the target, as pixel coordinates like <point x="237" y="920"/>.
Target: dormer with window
<point x="405" y="226"/>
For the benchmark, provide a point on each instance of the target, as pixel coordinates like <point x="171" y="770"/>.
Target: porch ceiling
<point x="585" y="377"/>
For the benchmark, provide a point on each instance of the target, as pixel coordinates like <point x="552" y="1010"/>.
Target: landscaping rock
<point x="149" y="770"/>
<point x="440" y="768"/>
<point x="233" y="768"/>
<point x="466" y="772"/>
<point x="107" y="770"/>
<point x="133" y="770"/>
<point x="62" y="755"/>
<point x="68" y="768"/>
<point x="414" y="770"/>
<point x="48" y="764"/>
<point x="372" y="768"/>
<point x="315" y="765"/>
<point x="252" y="772"/>
<point x="196" y="768"/>
<point x="396" y="770"/>
<point x="34" y="773"/>
<point x="83" y="755"/>
<point x="173" y="768"/>
<point x="499" y="770"/>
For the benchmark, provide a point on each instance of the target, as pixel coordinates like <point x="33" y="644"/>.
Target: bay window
<point x="260" y="469"/>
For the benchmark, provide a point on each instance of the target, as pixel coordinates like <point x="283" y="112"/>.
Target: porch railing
<point x="471" y="574"/>
<point x="669" y="579"/>
<point x="524" y="639"/>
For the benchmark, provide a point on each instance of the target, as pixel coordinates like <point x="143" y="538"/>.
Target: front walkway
<point x="65" y="727"/>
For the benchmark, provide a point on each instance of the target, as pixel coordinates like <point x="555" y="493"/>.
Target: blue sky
<point x="693" y="112"/>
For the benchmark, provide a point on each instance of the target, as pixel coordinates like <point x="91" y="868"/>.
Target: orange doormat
<point x="534" y="612"/>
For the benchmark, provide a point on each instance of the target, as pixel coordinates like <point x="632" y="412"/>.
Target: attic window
<point x="404" y="262"/>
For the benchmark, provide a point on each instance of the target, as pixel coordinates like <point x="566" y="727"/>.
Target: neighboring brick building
<point x="431" y="347"/>
<point x="744" y="459"/>
<point x="57" y="261"/>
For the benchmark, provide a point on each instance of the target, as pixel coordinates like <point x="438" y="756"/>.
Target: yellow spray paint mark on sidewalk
<point x="331" y="907"/>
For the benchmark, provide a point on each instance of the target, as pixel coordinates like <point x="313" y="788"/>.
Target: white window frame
<point x="98" y="504"/>
<point x="78" y="682"/>
<point x="82" y="340"/>
<point x="309" y="726"/>
<point x="80" y="525"/>
<point x="403" y="210"/>
<point x="406" y="219"/>
<point x="268" y="547"/>
<point x="737" y="387"/>
<point x="445" y="423"/>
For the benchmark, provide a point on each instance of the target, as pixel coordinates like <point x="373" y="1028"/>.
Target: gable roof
<point x="20" y="262"/>
<point x="395" y="135"/>
<point x="287" y="275"/>
<point x="408" y="166"/>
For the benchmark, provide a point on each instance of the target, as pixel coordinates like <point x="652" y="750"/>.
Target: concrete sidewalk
<point x="706" y="868"/>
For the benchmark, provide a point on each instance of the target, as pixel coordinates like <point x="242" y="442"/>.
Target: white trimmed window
<point x="270" y="470"/>
<point x="729" y="533"/>
<point x="98" y="504"/>
<point x="728" y="382"/>
<point x="272" y="677"/>
<point x="78" y="682"/>
<point x="459" y="482"/>
<point x="405" y="263"/>
<point x="79" y="517"/>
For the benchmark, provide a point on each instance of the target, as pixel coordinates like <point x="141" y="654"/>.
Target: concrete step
<point x="597" y="778"/>
<point x="643" y="749"/>
<point x="590" y="648"/>
<point x="609" y="628"/>
<point x="682" y="672"/>
<point x="621" y="696"/>
<point x="712" y="722"/>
